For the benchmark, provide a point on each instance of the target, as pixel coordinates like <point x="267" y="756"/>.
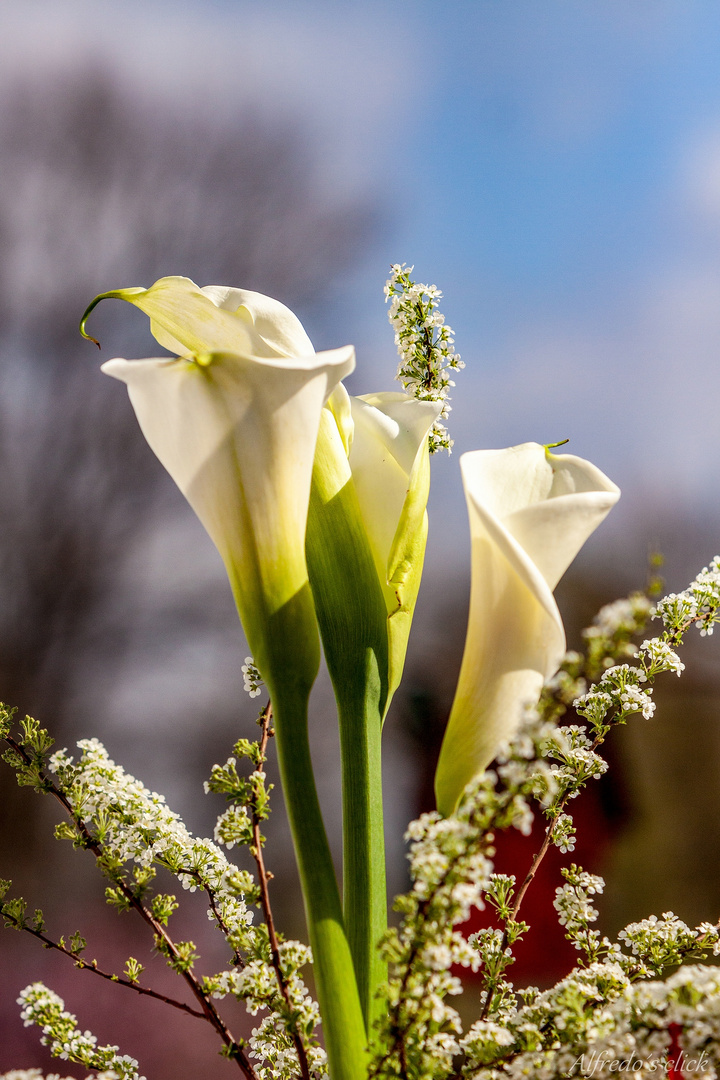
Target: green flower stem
<point x="343" y="1026"/>
<point x="286" y="648"/>
<point x="352" y="617"/>
<point x="364" y="887"/>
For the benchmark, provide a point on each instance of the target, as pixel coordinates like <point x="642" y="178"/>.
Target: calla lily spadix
<point x="530" y="513"/>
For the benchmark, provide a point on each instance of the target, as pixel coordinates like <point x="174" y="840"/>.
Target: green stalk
<point x="286" y="649"/>
<point x="352" y="618"/>
<point x="343" y="1025"/>
<point x="364" y="884"/>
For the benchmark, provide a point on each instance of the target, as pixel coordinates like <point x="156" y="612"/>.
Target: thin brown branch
<point x="86" y="965"/>
<point x="535" y="865"/>
<point x="528" y="880"/>
<point x="210" y="1013"/>
<point x="263" y="878"/>
<point x="238" y="960"/>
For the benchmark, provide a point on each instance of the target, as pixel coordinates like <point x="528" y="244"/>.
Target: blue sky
<point x="553" y="166"/>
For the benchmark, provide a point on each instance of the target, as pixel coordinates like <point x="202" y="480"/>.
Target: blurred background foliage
<point x="115" y="617"/>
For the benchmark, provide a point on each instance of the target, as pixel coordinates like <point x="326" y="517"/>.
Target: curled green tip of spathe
<point x="554" y="445"/>
<point x="116" y="294"/>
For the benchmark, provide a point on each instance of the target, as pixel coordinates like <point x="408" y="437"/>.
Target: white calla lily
<point x="365" y="546"/>
<point x="237" y="434"/>
<point x="235" y="422"/>
<point x="385" y="438"/>
<point x="530" y="513"/>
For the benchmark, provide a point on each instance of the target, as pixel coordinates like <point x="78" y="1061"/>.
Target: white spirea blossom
<point x="619" y="615"/>
<point x="138" y="827"/>
<point x="253" y="682"/>
<point x="661" y="657"/>
<point x="572" y="901"/>
<point x="607" y="1016"/>
<point x="617" y="1012"/>
<point x="452" y="873"/>
<point x="598" y="1023"/>
<point x="563" y="833"/>
<point x="271" y="1044"/>
<point x="620" y="691"/>
<point x="697" y="604"/>
<point x="60" y="1033"/>
<point x="37" y="1074"/>
<point x="425" y="344"/>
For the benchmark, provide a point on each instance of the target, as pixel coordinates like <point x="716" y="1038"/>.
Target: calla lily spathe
<point x="530" y="513"/>
<point x="385" y="439"/>
<point x="234" y="420"/>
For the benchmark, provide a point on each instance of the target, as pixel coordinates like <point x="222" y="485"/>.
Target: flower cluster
<point x="451" y="870"/>
<point x="136" y="826"/>
<point x="61" y="1034"/>
<point x="606" y="1015"/>
<point x="576" y="762"/>
<point x="36" y="1074"/>
<point x="252" y="679"/>
<point x="122" y="822"/>
<point x="697" y="604"/>
<point x="575" y="912"/>
<point x="271" y="1043"/>
<point x="624" y="689"/>
<point x="609" y="640"/>
<point x="425" y="344"/>
<point x="660" y="943"/>
<point x="596" y="1022"/>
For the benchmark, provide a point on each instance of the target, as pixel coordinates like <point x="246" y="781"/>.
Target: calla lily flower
<point x="365" y="546"/>
<point x="530" y="513"/>
<point x="385" y="440"/>
<point x="237" y="434"/>
<point x="234" y="420"/>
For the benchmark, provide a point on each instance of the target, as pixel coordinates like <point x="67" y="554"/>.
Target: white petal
<point x="534" y="494"/>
